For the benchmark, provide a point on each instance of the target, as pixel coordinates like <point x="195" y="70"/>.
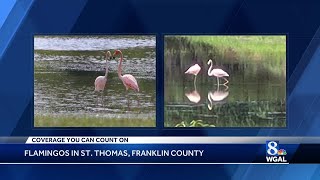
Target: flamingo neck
<point x="120" y="64"/>
<point x="108" y="55"/>
<point x="210" y="68"/>
<point x="106" y="75"/>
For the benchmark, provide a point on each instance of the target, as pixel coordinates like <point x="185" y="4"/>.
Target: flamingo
<point x="217" y="72"/>
<point x="101" y="81"/>
<point x="128" y="80"/>
<point x="195" y="69"/>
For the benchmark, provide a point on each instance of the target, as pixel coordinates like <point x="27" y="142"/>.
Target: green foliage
<point x="269" y="52"/>
<point x="244" y="44"/>
<point x="194" y="123"/>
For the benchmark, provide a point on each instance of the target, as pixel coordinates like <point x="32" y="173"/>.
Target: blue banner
<point x="141" y="153"/>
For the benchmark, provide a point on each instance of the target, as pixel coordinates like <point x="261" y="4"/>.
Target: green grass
<point x="268" y="51"/>
<point x="244" y="45"/>
<point x="75" y="121"/>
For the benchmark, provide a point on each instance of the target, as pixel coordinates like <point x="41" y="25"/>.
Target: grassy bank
<point x="75" y="121"/>
<point x="244" y="45"/>
<point x="268" y="52"/>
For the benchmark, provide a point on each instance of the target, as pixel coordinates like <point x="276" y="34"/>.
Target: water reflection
<point x="193" y="96"/>
<point x="217" y="96"/>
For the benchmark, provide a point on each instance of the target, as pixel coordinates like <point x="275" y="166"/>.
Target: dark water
<point x="254" y="96"/>
<point x="66" y="68"/>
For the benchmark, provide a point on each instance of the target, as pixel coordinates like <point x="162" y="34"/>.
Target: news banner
<point x="159" y="150"/>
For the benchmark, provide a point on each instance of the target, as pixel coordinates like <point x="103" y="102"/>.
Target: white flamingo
<point x="219" y="73"/>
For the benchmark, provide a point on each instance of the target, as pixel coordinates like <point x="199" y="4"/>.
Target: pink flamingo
<point x="101" y="81"/>
<point x="195" y="69"/>
<point x="217" y="72"/>
<point x="128" y="80"/>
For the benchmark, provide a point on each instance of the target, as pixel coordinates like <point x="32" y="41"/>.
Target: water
<point x="66" y="68"/>
<point x="91" y="43"/>
<point x="254" y="96"/>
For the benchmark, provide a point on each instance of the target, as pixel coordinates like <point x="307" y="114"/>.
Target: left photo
<point x="94" y="81"/>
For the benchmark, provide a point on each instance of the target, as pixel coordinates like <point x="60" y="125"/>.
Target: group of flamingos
<point x="213" y="96"/>
<point x="128" y="80"/>
<point x="219" y="73"/>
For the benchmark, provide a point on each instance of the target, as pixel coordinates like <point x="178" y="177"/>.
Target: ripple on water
<point x="143" y="67"/>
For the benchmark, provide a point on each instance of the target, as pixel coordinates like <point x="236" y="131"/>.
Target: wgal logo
<point x="274" y="153"/>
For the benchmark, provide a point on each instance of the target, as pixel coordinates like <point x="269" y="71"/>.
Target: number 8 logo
<point x="272" y="148"/>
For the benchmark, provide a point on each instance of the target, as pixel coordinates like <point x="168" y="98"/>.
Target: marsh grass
<point x="86" y="121"/>
<point x="267" y="51"/>
<point x="244" y="45"/>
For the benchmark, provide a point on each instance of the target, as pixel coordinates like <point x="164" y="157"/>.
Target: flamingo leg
<point x="97" y="102"/>
<point x="226" y="81"/>
<point x="227" y="87"/>
<point x="194" y="81"/>
<point x="218" y="80"/>
<point x="102" y="99"/>
<point x="138" y="100"/>
<point x="99" y="98"/>
<point x="128" y="100"/>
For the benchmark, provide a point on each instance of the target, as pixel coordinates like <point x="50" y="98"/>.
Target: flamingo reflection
<point x="217" y="96"/>
<point x="194" y="96"/>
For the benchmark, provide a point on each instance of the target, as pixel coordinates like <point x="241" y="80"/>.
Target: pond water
<point x="66" y="67"/>
<point x="254" y="96"/>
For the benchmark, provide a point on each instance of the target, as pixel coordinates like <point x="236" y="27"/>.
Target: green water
<point x="254" y="97"/>
<point x="66" y="68"/>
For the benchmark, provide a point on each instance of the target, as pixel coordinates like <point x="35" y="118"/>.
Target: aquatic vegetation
<point x="194" y="123"/>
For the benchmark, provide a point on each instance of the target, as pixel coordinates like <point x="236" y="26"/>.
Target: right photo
<point x="225" y="81"/>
